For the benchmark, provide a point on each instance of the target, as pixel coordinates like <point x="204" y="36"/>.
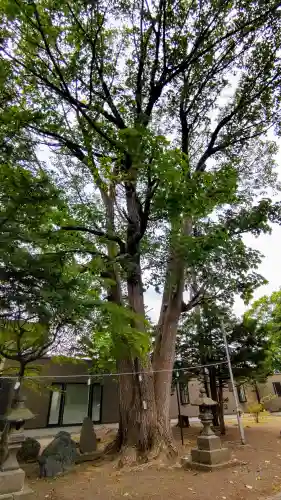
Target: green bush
<point x="256" y="408"/>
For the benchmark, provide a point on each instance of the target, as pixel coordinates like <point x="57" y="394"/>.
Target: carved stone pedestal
<point x="209" y="455"/>
<point x="12" y="486"/>
<point x="12" y="477"/>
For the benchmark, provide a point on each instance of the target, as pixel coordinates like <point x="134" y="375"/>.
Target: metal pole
<point x="179" y="410"/>
<point x="238" y="413"/>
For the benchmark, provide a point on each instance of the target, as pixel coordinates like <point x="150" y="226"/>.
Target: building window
<point x="184" y="393"/>
<point x="241" y="394"/>
<point x="55" y="404"/>
<point x="96" y="403"/>
<point x="277" y="388"/>
<point x="75" y="404"/>
<point x="71" y="403"/>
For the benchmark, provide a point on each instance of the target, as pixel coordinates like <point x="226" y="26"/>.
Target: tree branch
<point x="210" y="148"/>
<point x="118" y="120"/>
<point x="196" y="300"/>
<point x="193" y="57"/>
<point x="99" y="233"/>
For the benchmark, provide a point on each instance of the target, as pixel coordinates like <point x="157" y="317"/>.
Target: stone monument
<point x="58" y="457"/>
<point x="12" y="477"/>
<point x="209" y="453"/>
<point x="88" y="438"/>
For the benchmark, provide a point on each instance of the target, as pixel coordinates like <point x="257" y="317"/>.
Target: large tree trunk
<point x="164" y="350"/>
<point x="144" y="430"/>
<point x="205" y="380"/>
<point x="163" y="362"/>
<point x="141" y="434"/>
<point x="214" y="393"/>
<point x="137" y="425"/>
<point x="257" y="392"/>
<point x="221" y="408"/>
<point x="144" y="393"/>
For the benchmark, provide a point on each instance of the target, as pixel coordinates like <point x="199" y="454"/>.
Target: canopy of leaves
<point x="200" y="341"/>
<point x="158" y="113"/>
<point x="42" y="292"/>
<point x="266" y="312"/>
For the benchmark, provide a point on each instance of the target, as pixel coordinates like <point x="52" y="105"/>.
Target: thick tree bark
<point x="141" y="434"/>
<point x="144" y="431"/>
<point x="257" y="392"/>
<point x="205" y="380"/>
<point x="221" y="408"/>
<point x="214" y="393"/>
<point x="164" y="351"/>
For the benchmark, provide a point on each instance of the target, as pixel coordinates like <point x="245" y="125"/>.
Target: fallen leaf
<point x="249" y="487"/>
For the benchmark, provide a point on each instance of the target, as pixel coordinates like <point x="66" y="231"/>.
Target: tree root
<point x="114" y="446"/>
<point x="162" y="449"/>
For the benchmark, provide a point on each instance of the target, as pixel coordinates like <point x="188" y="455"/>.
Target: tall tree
<point x="266" y="312"/>
<point x="41" y="289"/>
<point x="134" y="93"/>
<point x="200" y="341"/>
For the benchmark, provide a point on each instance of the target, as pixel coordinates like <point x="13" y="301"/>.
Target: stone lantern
<point x="209" y="453"/>
<point x="11" y="475"/>
<point x="205" y="413"/>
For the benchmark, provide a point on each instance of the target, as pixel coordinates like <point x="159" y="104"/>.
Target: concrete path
<point x="49" y="432"/>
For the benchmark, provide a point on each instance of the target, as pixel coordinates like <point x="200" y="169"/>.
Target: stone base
<point x="210" y="457"/>
<point x="208" y="442"/>
<point x="88" y="457"/>
<point x="25" y="494"/>
<point x="187" y="463"/>
<point x="11" y="481"/>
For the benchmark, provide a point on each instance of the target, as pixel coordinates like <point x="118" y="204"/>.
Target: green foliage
<point x="113" y="336"/>
<point x="42" y="293"/>
<point x="155" y="164"/>
<point x="259" y="408"/>
<point x="256" y="409"/>
<point x="200" y="341"/>
<point x="266" y="312"/>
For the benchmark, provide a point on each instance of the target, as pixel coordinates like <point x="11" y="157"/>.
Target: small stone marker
<point x="88" y="438"/>
<point x="59" y="456"/>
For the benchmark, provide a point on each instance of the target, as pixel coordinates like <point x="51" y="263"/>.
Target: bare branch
<point x="210" y="148"/>
<point x="196" y="300"/>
